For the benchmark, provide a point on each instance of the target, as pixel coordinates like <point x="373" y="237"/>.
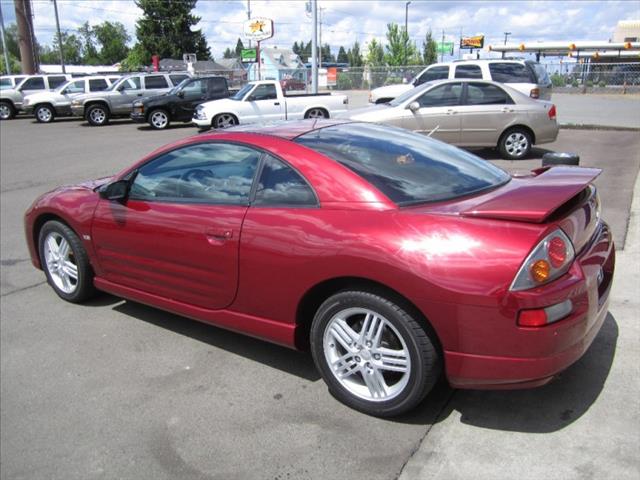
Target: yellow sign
<point x="258" y="28"/>
<point x="472" y="42"/>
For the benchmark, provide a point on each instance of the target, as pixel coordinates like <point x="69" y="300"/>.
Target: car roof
<point x="287" y="130"/>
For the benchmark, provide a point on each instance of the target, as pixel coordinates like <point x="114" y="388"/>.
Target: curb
<point x="584" y="126"/>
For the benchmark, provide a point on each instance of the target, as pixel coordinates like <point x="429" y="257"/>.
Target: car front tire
<point x="159" y="119"/>
<point x="373" y="354"/>
<point x="515" y="144"/>
<point x="7" y="111"/>
<point x="98" y="115"/>
<point x="65" y="262"/>
<point x="44" y="114"/>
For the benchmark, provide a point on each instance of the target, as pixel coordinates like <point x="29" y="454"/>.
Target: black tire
<point x="316" y="113"/>
<point x="424" y="362"/>
<point x="224" y="120"/>
<point x="7" y="110"/>
<point x="44" y="113"/>
<point x="155" y="123"/>
<point x="515" y="144"/>
<point x="560" y="158"/>
<point x="98" y="115"/>
<point x="83" y="288"/>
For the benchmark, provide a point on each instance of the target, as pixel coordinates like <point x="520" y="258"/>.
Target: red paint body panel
<point x="453" y="260"/>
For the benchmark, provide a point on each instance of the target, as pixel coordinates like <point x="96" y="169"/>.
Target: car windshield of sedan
<point x="407" y="167"/>
<point x="400" y="99"/>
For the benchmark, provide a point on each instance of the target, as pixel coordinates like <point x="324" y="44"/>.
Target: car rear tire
<point x="159" y="119"/>
<point x="7" y="111"/>
<point x="224" y="120"/>
<point x="44" y="113"/>
<point x="65" y="262"/>
<point x="98" y="115"/>
<point x="316" y="113"/>
<point x="515" y="144"/>
<point x="374" y="356"/>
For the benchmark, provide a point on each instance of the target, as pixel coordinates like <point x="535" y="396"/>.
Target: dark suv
<point x="179" y="103"/>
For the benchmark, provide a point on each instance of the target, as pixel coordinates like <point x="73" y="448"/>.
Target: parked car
<point x="11" y="98"/>
<point x="391" y="255"/>
<point x="46" y="106"/>
<point x="526" y="76"/>
<point x="265" y="101"/>
<point x="470" y="113"/>
<point x="293" y="83"/>
<point x="99" y="107"/>
<point x="180" y="103"/>
<point x="10" y="81"/>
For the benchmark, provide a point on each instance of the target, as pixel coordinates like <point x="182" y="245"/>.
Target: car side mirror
<point x="120" y="88"/>
<point x="116" y="191"/>
<point x="180" y="94"/>
<point x="414" y="106"/>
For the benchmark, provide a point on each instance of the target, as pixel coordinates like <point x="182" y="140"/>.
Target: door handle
<point x="451" y="111"/>
<point x="218" y="235"/>
<point x="507" y="109"/>
<point x="276" y="103"/>
<point x="139" y="94"/>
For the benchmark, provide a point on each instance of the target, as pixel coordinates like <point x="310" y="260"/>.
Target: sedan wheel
<point x="159" y="119"/>
<point x="97" y="115"/>
<point x="44" y="114"/>
<point x="224" y="120"/>
<point x="515" y="144"/>
<point x="6" y="111"/>
<point x="372" y="354"/>
<point x="65" y="262"/>
<point x="317" y="113"/>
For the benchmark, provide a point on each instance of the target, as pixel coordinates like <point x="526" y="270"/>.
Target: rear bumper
<point x="511" y="357"/>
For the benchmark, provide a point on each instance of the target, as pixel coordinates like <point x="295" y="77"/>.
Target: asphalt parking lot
<point x="115" y="389"/>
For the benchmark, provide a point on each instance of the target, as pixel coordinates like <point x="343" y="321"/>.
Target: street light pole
<point x="4" y="44"/>
<point x="506" y="35"/>
<point x="55" y="7"/>
<point x="406" y="29"/>
<point x="314" y="47"/>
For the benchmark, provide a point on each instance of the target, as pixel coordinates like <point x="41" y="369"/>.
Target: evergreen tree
<point x="295" y="48"/>
<point x="399" y="48"/>
<point x="342" y="56"/>
<point x="89" y="50"/>
<point x="112" y="38"/>
<point x="355" y="56"/>
<point x="239" y="48"/>
<point x="228" y="53"/>
<point x="165" y="30"/>
<point x="429" y="49"/>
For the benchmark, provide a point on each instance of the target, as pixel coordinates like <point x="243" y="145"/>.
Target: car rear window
<point x="56" y="81"/>
<point x="511" y="73"/>
<point x="468" y="71"/>
<point x="407" y="167"/>
<point x="540" y="72"/>
<point x="98" y="84"/>
<point x="155" y="81"/>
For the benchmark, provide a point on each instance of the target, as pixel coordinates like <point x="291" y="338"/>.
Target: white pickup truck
<point x="264" y="101"/>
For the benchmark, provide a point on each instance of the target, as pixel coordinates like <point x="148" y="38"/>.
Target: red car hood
<point x="532" y="198"/>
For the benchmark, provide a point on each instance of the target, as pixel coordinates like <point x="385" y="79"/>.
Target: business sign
<point x="248" y="55"/>
<point x="472" y="42"/>
<point x="444" y="48"/>
<point x="258" y="28"/>
<point x="332" y="76"/>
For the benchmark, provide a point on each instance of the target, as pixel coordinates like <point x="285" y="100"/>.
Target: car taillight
<point x="552" y="112"/>
<point x="535" y="93"/>
<point x="550" y="259"/>
<point x="540" y="317"/>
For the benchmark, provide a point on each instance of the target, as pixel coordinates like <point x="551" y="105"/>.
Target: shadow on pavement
<point x="493" y="154"/>
<point x="171" y="126"/>
<point x="289" y="361"/>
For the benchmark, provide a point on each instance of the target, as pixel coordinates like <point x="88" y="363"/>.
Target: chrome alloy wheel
<point x="159" y="119"/>
<point x="225" y="120"/>
<point x="367" y="354"/>
<point x="98" y="115"/>
<point x="60" y="262"/>
<point x="316" y="113"/>
<point x="516" y="144"/>
<point x="5" y="111"/>
<point x="44" y="114"/>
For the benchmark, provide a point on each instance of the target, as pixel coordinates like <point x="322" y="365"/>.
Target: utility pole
<point x="506" y="35"/>
<point x="314" y="47"/>
<point x="4" y="44"/>
<point x="441" y="50"/>
<point x="406" y="29"/>
<point x="460" y="43"/>
<point x="320" y="39"/>
<point x="249" y="16"/>
<point x="25" y="36"/>
<point x="55" y="7"/>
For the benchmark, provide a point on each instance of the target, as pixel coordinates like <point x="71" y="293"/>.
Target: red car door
<point x="177" y="234"/>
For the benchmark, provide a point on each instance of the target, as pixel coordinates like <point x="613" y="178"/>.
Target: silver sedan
<point x="470" y="113"/>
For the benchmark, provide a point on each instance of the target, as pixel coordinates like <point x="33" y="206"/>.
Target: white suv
<point x="11" y="98"/>
<point x="525" y="76"/>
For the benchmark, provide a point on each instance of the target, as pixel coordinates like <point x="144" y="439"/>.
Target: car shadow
<point x="545" y="409"/>
<point x="536" y="153"/>
<point x="289" y="361"/>
<point x="172" y="126"/>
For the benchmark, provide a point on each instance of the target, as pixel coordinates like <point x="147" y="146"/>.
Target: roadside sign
<point x="472" y="42"/>
<point x="444" y="48"/>
<point x="258" y="28"/>
<point x="332" y="76"/>
<point x="248" y="55"/>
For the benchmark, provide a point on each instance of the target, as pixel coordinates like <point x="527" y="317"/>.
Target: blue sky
<point x="346" y="21"/>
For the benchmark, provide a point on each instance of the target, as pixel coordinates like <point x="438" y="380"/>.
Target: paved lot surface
<point x="115" y="389"/>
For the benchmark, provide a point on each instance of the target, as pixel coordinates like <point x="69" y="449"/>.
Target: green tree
<point x="71" y="50"/>
<point x="136" y="59"/>
<point x="228" y="53"/>
<point x="355" y="56"/>
<point x="342" y="55"/>
<point x="165" y="30"/>
<point x="375" y="54"/>
<point x="326" y="54"/>
<point x="112" y="38"/>
<point x="429" y="49"/>
<point x="399" y="47"/>
<point x="89" y="50"/>
<point x="239" y="48"/>
<point x="13" y="51"/>
<point x="295" y="48"/>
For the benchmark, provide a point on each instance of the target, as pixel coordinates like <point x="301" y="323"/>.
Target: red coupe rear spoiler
<point x="536" y="197"/>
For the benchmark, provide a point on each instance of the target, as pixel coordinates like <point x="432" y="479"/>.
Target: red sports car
<point x="392" y="256"/>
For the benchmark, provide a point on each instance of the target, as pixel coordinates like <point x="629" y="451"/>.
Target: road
<point x="114" y="389"/>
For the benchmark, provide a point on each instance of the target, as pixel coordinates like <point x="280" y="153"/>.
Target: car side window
<point x="197" y="89"/>
<point x="279" y="184"/>
<point x="55" y="82"/>
<point x="35" y="83"/>
<point x="486" y="94"/>
<point x="75" y="87"/>
<point x="468" y="71"/>
<point x="97" y="84"/>
<point x="442" y="96"/>
<point x="155" y="81"/>
<point x="177" y="78"/>
<point x="264" y="92"/>
<point x="217" y="173"/>
<point x="132" y="83"/>
<point x="434" y="73"/>
<point x="217" y="85"/>
<point x="510" y="73"/>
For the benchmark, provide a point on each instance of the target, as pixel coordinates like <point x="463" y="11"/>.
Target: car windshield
<point x="180" y="86"/>
<point x="5" y="83"/>
<point x="400" y="99"/>
<point x="407" y="167"/>
<point x="64" y="85"/>
<point x="242" y="92"/>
